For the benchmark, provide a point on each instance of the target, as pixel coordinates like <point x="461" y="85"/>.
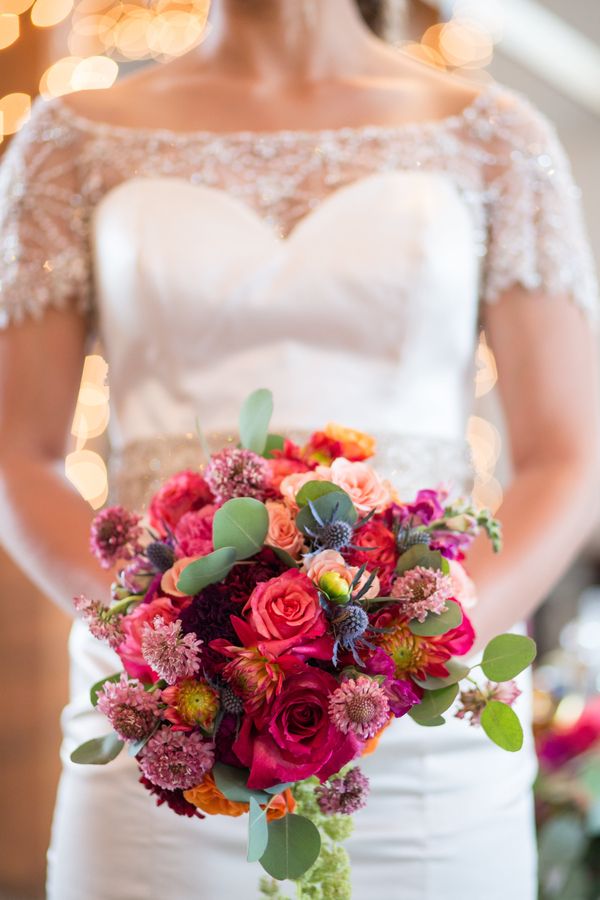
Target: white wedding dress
<point x="344" y="269"/>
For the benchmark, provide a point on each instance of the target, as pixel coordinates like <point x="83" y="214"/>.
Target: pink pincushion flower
<point x="132" y="711"/>
<point x="193" y="533"/>
<point x="176" y="759"/>
<point x="344" y="794"/>
<point x="359" y="705"/>
<point x="234" y="472"/>
<point x="115" y="534"/>
<point x="421" y="591"/>
<point x="183" y="492"/>
<point x="474" y="700"/>
<point x="169" y="652"/>
<point x="99" y="621"/>
<point x="130" y="649"/>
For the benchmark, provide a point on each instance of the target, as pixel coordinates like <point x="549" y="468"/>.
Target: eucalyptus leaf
<point x="274" y="442"/>
<point x="97" y="688"/>
<point x="433" y="704"/>
<point x="280" y="788"/>
<point x="207" y="570"/>
<point x="420" y="555"/>
<point x="501" y="724"/>
<point x="457" y="671"/>
<point x="312" y="490"/>
<point x="433" y="723"/>
<point x="258" y="832"/>
<point x="336" y="503"/>
<point x="233" y="783"/>
<point x="438" y="623"/>
<point x="507" y="655"/>
<point x="293" y="847"/>
<point x="98" y="751"/>
<point x="255" y="416"/>
<point x="241" y="523"/>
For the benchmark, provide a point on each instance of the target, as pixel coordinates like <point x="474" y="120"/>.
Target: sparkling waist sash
<point x="411" y="462"/>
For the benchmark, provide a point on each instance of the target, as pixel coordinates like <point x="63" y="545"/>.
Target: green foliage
<point x="257" y="831"/>
<point x="241" y="523"/>
<point x="507" y="655"/>
<point x="274" y="442"/>
<point x="501" y="724"/>
<point x="312" y="490"/>
<point x="433" y="704"/>
<point x="232" y="782"/>
<point x="207" y="570"/>
<point x="420" y="555"/>
<point x="336" y="503"/>
<point x="438" y="623"/>
<point x="293" y="846"/>
<point x="457" y="671"/>
<point x="98" y="751"/>
<point x="255" y="416"/>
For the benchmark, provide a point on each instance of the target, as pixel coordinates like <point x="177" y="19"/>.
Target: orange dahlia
<point x="207" y="797"/>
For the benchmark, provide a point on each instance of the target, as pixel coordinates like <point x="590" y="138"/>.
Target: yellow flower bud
<point x="336" y="587"/>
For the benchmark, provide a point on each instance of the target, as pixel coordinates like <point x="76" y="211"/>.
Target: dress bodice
<point x="342" y="268"/>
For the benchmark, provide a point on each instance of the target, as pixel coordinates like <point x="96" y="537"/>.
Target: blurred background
<point x="548" y="49"/>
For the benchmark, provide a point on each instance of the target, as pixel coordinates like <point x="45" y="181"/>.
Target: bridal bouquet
<point x="273" y="615"/>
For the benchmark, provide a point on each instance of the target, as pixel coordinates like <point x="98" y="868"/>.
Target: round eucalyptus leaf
<point x="333" y="504"/>
<point x="507" y="655"/>
<point x="438" y="623"/>
<point x="98" y="751"/>
<point x="274" y="442"/>
<point x="255" y="416"/>
<point x="501" y="724"/>
<point x="293" y="847"/>
<point x="241" y="523"/>
<point x="258" y="832"/>
<point x="420" y="555"/>
<point x="457" y="671"/>
<point x="232" y="782"/>
<point x="207" y="570"/>
<point x="312" y="490"/>
<point x="433" y="704"/>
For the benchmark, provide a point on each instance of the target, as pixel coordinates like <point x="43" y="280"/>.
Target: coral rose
<point x="298" y="738"/>
<point x="367" y="491"/>
<point x="182" y="492"/>
<point x="286" y="609"/>
<point x="170" y="578"/>
<point x="282" y="529"/>
<point x="291" y="484"/>
<point x="280" y="467"/>
<point x="193" y="534"/>
<point x="130" y="651"/>
<point x="207" y="797"/>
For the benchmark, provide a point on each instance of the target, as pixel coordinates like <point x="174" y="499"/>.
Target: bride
<point x="296" y="205"/>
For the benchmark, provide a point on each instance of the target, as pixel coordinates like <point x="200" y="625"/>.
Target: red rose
<point x="182" y="492"/>
<point x="297" y="738"/>
<point x="286" y="608"/>
<point x="383" y="556"/>
<point x="193" y="533"/>
<point x="280" y="467"/>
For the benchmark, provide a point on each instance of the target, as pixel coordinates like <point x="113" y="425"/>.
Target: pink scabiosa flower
<point x="115" y="534"/>
<point x="176" y="759"/>
<point x="101" y="623"/>
<point x="359" y="705"/>
<point x="474" y="700"/>
<point x="344" y="794"/>
<point x="235" y="472"/>
<point x="421" y="591"/>
<point x="169" y="652"/>
<point x="132" y="711"/>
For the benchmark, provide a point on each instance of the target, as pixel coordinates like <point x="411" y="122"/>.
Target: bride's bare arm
<point x="44" y="523"/>
<point x="547" y="376"/>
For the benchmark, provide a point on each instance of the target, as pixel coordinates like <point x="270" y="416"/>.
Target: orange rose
<point x="207" y="797"/>
<point x="170" y="578"/>
<point x="282" y="529"/>
<point x="291" y="484"/>
<point x="367" y="491"/>
<point x="356" y="444"/>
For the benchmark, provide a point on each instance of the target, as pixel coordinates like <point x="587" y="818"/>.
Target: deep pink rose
<point x="193" y="533"/>
<point x="182" y="492"/>
<point x="297" y="738"/>
<point x="130" y="650"/>
<point x="286" y="608"/>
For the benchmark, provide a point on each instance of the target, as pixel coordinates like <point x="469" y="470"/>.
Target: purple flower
<point x="137" y="575"/>
<point x="421" y="591"/>
<point x="176" y="759"/>
<point x="99" y="621"/>
<point x="344" y="794"/>
<point x="169" y="652"/>
<point x="401" y="694"/>
<point x="427" y="507"/>
<point x="132" y="711"/>
<point x="359" y="705"/>
<point x="452" y="544"/>
<point x="115" y="534"/>
<point x="237" y="473"/>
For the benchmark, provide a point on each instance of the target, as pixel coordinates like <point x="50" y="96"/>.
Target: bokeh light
<point x="46" y="13"/>
<point x="86" y="470"/>
<point x="9" y="29"/>
<point x="14" y="109"/>
<point x="486" y="375"/>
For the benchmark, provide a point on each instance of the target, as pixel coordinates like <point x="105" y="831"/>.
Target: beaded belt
<point x="409" y="461"/>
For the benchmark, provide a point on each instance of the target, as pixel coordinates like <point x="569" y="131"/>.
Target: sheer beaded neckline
<point x="468" y="113"/>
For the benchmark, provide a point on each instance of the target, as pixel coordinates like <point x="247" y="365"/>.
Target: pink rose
<point x="464" y="588"/>
<point x="367" y="491"/>
<point x="168" y="582"/>
<point x="287" y="609"/>
<point x="282" y="529"/>
<point x="130" y="650"/>
<point x="296" y="738"/>
<point x="331" y="561"/>
<point x="181" y="493"/>
<point x="193" y="533"/>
